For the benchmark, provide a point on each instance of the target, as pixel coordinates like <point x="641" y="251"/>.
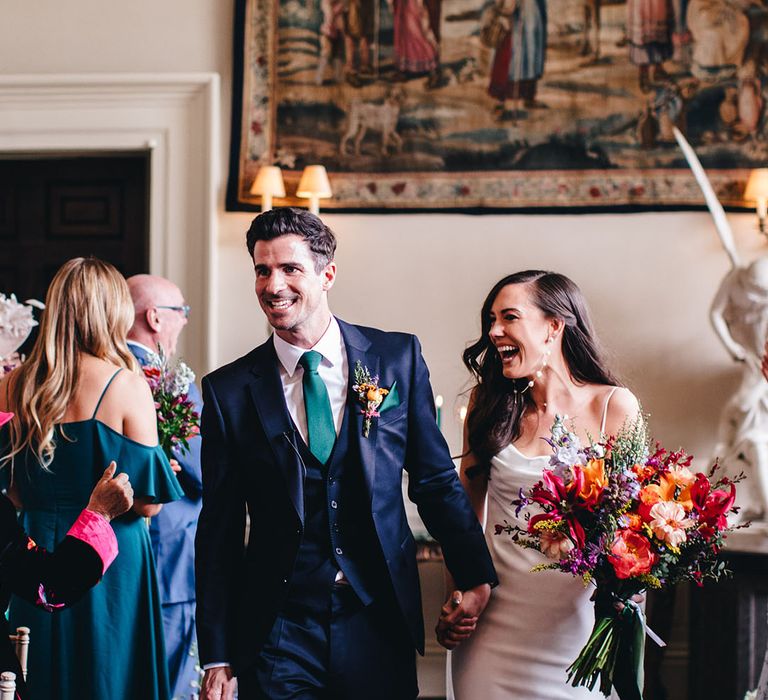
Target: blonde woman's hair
<point x="88" y="309"/>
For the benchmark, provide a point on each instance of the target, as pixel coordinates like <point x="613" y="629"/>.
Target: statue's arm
<point x="717" y="318"/>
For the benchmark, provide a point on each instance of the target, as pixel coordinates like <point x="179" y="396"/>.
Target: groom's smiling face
<point x="291" y="291"/>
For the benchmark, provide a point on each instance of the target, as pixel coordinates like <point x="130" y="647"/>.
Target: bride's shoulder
<point x="620" y="406"/>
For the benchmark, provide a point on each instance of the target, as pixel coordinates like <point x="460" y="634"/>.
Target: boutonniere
<point x="369" y="394"/>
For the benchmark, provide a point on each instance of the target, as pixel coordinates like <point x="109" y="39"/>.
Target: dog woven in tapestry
<point x="511" y="104"/>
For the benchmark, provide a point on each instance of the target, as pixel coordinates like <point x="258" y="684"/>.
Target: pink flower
<point x="669" y="523"/>
<point x="631" y="554"/>
<point x="554" y="545"/>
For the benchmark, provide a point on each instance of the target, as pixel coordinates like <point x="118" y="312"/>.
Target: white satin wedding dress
<point x="535" y="623"/>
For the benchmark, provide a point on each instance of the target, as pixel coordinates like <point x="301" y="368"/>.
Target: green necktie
<point x="320" y="425"/>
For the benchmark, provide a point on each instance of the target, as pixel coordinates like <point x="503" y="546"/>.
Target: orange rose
<point x="631" y="554"/>
<point x="594" y="482"/>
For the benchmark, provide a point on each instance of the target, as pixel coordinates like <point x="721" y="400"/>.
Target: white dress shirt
<point x="333" y="370"/>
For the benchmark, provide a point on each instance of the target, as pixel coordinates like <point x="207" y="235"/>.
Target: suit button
<point x="285" y="581"/>
<point x="298" y="530"/>
<point x="339" y="550"/>
<point x="331" y="481"/>
<point x="334" y="505"/>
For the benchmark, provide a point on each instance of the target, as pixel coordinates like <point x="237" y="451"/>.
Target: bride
<point x="537" y="357"/>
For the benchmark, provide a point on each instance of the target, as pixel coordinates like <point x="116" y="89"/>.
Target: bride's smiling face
<point x="519" y="331"/>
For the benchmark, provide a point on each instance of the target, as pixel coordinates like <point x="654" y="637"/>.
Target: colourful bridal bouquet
<point x="177" y="418"/>
<point x="625" y="518"/>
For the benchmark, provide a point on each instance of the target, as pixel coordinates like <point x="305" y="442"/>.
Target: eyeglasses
<point x="184" y="309"/>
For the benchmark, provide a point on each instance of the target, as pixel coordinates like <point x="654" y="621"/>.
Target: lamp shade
<point x="314" y="183"/>
<point x="757" y="185"/>
<point x="269" y="181"/>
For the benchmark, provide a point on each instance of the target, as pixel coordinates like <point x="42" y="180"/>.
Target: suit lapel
<point x="266" y="390"/>
<point x="359" y="350"/>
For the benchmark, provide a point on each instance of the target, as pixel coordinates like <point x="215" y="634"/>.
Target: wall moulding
<point x="176" y="118"/>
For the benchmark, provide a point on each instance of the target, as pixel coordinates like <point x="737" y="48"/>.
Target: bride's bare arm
<point x="622" y="408"/>
<point x="450" y="635"/>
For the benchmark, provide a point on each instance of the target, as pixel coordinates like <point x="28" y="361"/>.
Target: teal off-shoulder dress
<point x="109" y="645"/>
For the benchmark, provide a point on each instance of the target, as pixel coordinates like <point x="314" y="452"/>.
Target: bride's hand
<point x="459" y="615"/>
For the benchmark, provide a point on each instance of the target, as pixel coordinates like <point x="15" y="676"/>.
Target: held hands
<point x="175" y="466"/>
<point x="219" y="684"/>
<point x="459" y="615"/>
<point x="111" y="496"/>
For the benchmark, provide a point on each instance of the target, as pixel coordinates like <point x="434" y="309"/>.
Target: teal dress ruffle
<point x="109" y="645"/>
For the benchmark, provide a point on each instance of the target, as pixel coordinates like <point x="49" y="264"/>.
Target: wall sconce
<point x="314" y="185"/>
<point x="268" y="184"/>
<point x="757" y="192"/>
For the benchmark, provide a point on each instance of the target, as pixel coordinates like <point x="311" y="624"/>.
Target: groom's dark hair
<point x="287" y="221"/>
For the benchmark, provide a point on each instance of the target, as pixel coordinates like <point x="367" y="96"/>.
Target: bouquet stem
<point x="613" y="655"/>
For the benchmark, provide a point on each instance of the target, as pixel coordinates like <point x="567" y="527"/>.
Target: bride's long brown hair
<point x="493" y="421"/>
<point x="88" y="309"/>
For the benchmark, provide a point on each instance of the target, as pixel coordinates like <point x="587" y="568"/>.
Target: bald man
<point x="161" y="314"/>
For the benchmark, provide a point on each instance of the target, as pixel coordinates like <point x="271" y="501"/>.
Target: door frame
<point x="174" y="116"/>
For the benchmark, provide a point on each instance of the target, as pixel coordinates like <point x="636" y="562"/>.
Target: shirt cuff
<point x="216" y="664"/>
<point x="95" y="530"/>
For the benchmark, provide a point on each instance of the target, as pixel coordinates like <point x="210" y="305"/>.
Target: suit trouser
<point x="347" y="652"/>
<point x="179" y="628"/>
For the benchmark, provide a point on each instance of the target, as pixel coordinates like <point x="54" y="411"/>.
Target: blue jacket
<point x="172" y="530"/>
<point x="250" y="463"/>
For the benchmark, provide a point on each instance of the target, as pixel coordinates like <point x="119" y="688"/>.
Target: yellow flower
<point x="375" y="394"/>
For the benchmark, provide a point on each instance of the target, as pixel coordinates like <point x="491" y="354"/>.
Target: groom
<point x="323" y="601"/>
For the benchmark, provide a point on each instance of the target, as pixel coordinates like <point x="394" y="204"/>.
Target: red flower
<point x="552" y="493"/>
<point x="712" y="506"/>
<point x="631" y="554"/>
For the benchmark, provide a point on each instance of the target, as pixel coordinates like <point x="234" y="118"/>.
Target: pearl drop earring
<point x="540" y="372"/>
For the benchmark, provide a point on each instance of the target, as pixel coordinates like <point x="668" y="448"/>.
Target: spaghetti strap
<point x="605" y="409"/>
<point x="101" y="398"/>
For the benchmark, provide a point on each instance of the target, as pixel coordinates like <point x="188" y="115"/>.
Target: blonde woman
<point x="80" y="403"/>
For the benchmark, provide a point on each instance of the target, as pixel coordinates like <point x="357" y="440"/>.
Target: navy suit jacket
<point x="172" y="530"/>
<point x="249" y="462"/>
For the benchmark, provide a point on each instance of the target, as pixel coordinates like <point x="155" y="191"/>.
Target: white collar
<point x="329" y="346"/>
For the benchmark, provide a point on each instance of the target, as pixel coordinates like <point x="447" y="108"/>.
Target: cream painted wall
<point x="648" y="277"/>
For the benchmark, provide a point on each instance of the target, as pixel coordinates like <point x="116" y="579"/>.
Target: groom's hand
<point x="219" y="684"/>
<point x="459" y="615"/>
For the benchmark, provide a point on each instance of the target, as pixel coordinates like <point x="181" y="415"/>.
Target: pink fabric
<point x="5" y="417"/>
<point x="42" y="600"/>
<point x="95" y="530"/>
<point x="415" y="44"/>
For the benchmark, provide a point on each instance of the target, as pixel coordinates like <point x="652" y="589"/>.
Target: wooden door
<point x="58" y="208"/>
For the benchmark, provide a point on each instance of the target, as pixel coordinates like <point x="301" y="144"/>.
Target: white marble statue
<point x="739" y="315"/>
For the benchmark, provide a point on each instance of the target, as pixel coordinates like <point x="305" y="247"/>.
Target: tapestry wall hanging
<point x="511" y="104"/>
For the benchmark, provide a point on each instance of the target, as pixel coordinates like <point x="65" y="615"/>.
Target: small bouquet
<point x="177" y="418"/>
<point x="624" y="518"/>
